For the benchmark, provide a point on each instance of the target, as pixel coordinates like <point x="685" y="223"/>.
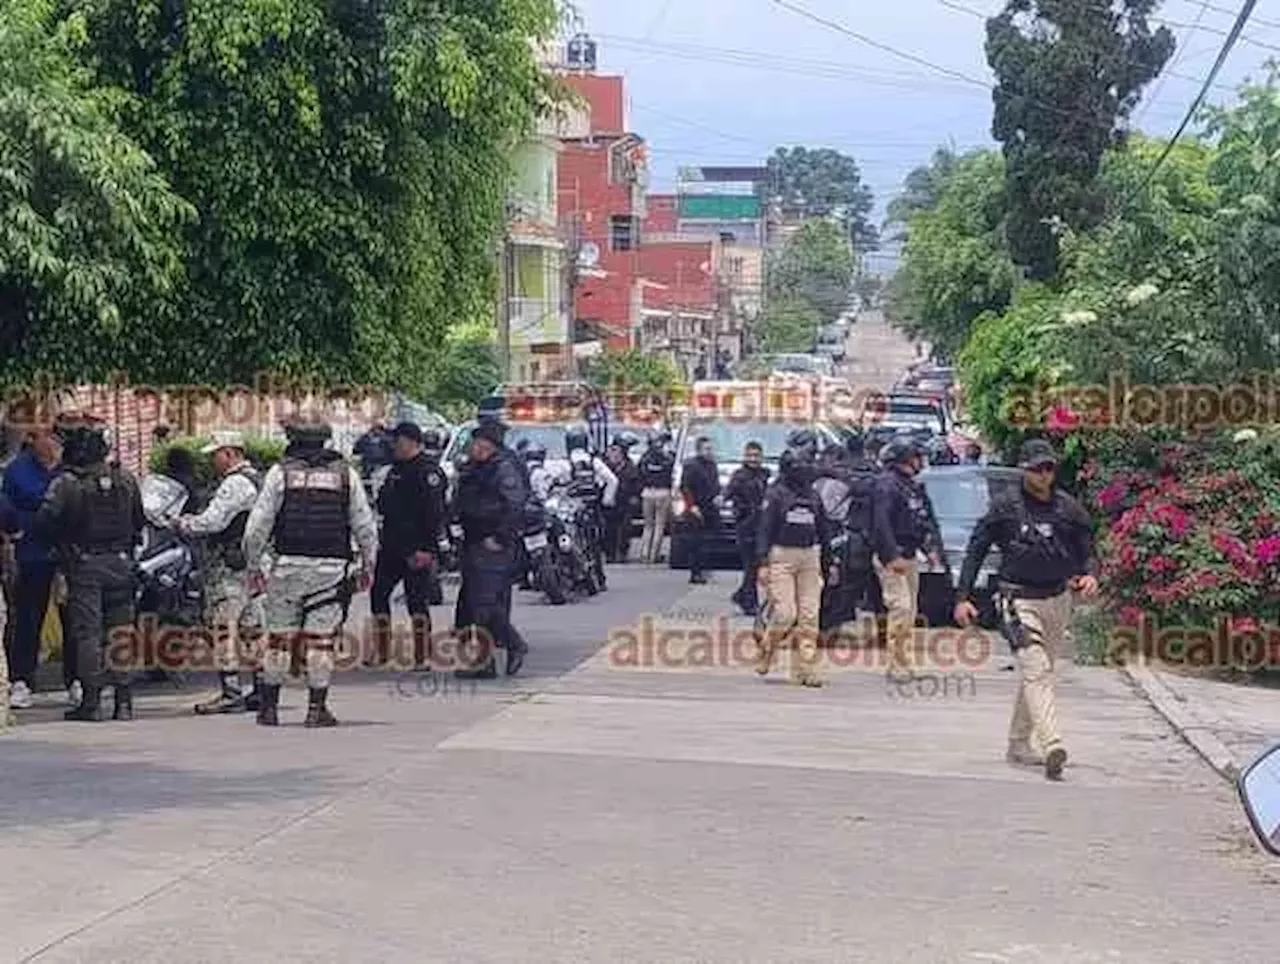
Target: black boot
<point x="487" y="670"/>
<point x="123" y="709"/>
<point x="317" y="713"/>
<point x="229" y="700"/>
<point x="268" y="714"/>
<point x="253" y="699"/>
<point x="90" y="708"/>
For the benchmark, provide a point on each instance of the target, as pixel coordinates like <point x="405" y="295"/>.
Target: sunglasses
<point x="1043" y="467"/>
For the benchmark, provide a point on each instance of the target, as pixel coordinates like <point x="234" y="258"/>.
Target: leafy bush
<point x="632" y="371"/>
<point x="262" y="452"/>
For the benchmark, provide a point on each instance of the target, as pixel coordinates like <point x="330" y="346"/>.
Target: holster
<point x="1011" y="627"/>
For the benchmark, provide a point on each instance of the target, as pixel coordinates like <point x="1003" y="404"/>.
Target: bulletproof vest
<point x="582" y="479"/>
<point x="862" y="487"/>
<point x="799" y="524"/>
<point x="656" y="470"/>
<point x="1038" y="550"/>
<point x="227" y="544"/>
<point x="313" y="519"/>
<point x="916" y="504"/>
<point x="102" y="520"/>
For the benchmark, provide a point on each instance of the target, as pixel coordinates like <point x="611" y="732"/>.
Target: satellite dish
<point x="589" y="254"/>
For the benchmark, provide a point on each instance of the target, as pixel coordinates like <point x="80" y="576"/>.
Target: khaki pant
<point x="656" y="507"/>
<point x="1035" y="711"/>
<point x="901" y="593"/>
<point x="795" y="597"/>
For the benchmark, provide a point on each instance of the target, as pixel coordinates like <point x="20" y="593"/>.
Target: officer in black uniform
<point x="789" y="538"/>
<point x="1044" y="537"/>
<point x="804" y="440"/>
<point x="490" y="507"/>
<point x="746" y="491"/>
<point x="412" y="506"/>
<point x="627" y="504"/>
<point x="700" y="487"/>
<point x="93" y="513"/>
<point x="846" y="488"/>
<point x="904" y="525"/>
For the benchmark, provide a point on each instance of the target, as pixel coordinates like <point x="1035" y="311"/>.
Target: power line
<point x="871" y="42"/>
<point x="1258" y="21"/>
<point x="1236" y="30"/>
<point x="952" y="5"/>
<point x="1177" y="58"/>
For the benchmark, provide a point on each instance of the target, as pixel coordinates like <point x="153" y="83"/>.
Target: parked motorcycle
<point x="170" y="586"/>
<point x="568" y="561"/>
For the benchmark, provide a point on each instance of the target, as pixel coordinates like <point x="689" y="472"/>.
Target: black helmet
<point x="660" y="437"/>
<point x="522" y="445"/>
<point x="433" y="440"/>
<point x="534" y="452"/>
<point x="626" y="440"/>
<point x="898" y="449"/>
<point x="307" y="432"/>
<point x="84" y="439"/>
<point x="576" y="438"/>
<point x="797" y="465"/>
<point x="802" y="438"/>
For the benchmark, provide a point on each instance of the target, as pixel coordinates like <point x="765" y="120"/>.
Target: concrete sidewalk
<point x="620" y="813"/>
<point x="1228" y="723"/>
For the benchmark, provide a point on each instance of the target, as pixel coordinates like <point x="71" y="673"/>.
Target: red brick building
<point x="601" y="180"/>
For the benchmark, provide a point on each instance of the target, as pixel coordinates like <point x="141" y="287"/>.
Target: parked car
<point x="799" y="364"/>
<point x="729" y="438"/>
<point x="961" y="495"/>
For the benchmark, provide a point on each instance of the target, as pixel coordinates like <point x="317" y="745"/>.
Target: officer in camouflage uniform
<point x="311" y="506"/>
<point x="93" y="514"/>
<point x="222" y="523"/>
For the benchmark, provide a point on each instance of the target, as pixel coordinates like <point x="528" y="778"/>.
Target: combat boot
<point x="229" y="700"/>
<point x="90" y="708"/>
<point x="123" y="708"/>
<point x="253" y="699"/>
<point x="317" y="713"/>
<point x="268" y="712"/>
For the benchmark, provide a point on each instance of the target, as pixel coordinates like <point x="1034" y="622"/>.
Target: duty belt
<point x="1013" y="590"/>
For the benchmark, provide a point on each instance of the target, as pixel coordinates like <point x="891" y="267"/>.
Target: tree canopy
<point x="820" y="183"/>
<point x="1068" y="74"/>
<point x="308" y="189"/>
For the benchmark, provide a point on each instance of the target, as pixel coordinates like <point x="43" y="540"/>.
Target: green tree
<point x="1068" y="74"/>
<point x="921" y="190"/>
<point x="465" y="372"/>
<point x="955" y="263"/>
<point x="87" y="224"/>
<point x="818" y="266"/>
<point x="788" y="324"/>
<point x="824" y="183"/>
<point x="349" y="165"/>
<point x="632" y="370"/>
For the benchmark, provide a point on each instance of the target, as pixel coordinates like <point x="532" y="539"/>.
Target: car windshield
<point x="550" y="437"/>
<point x="967" y="495"/>
<point x="730" y="438"/>
<point x="906" y="415"/>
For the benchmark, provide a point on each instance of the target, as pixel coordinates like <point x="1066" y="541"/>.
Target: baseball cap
<point x="1037" y="452"/>
<point x="223" y="440"/>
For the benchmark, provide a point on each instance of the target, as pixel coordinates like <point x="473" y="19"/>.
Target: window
<point x="624" y="232"/>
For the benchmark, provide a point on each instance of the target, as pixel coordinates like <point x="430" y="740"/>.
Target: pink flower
<point x="1244" y="624"/>
<point x="1267" y="550"/>
<point x="1061" y="419"/>
<point x="1161" y="564"/>
<point x="1174" y="519"/>
<point x="1131" y="615"/>
<point x="1113" y="494"/>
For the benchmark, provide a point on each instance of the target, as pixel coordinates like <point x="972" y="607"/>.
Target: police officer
<point x="311" y="507"/>
<point x="845" y="488"/>
<point x="700" y="488"/>
<point x="490" y="507"/>
<point x="1044" y="537"/>
<point x="627" y="501"/>
<point x="412" y="506"/>
<point x="804" y="440"/>
<point x="746" y="491"/>
<point x="789" y="540"/>
<point x="227" y="592"/>
<point x="657" y="468"/>
<point x="93" y="513"/>
<point x="541" y="478"/>
<point x="903" y="527"/>
<point x="592" y="481"/>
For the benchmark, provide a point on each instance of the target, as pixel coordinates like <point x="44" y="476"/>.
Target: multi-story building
<point x="601" y="183"/>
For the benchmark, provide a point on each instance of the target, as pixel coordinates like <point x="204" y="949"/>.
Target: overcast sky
<point x="726" y="81"/>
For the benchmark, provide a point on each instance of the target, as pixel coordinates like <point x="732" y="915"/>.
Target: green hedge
<point x="262" y="452"/>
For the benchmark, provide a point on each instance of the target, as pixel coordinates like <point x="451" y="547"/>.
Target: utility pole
<point x="508" y="295"/>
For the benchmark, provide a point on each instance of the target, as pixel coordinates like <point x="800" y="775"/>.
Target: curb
<point x="1181" y="714"/>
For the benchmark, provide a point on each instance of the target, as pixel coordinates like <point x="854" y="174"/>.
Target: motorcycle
<point x="170" y="585"/>
<point x="567" y="563"/>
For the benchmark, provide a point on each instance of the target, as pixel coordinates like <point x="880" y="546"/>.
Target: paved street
<point x="877" y="354"/>
<point x="595" y="810"/>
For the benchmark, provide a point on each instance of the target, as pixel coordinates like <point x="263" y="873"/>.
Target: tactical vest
<point x="313" y="519"/>
<point x="227" y="545"/>
<point x="799" y="523"/>
<point x="103" y="515"/>
<point x="1038" y="553"/>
